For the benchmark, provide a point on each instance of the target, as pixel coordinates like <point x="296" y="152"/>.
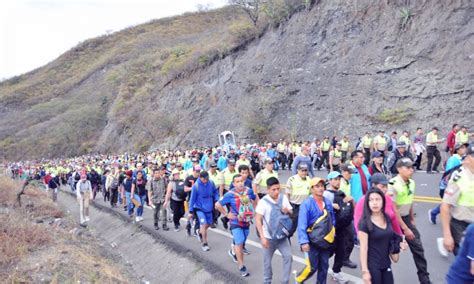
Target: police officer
<point x="260" y="182"/>
<point x="366" y="145"/>
<point x="297" y="190"/>
<point x="344" y="148"/>
<point x="402" y="188"/>
<point x="457" y="208"/>
<point x="325" y="148"/>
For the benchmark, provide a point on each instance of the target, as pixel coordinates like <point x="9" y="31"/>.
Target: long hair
<point x="368" y="212"/>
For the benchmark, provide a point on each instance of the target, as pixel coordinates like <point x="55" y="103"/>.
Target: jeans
<point x="141" y="199"/>
<point x="316" y="260"/>
<point x="130" y="205"/>
<point x="285" y="249"/>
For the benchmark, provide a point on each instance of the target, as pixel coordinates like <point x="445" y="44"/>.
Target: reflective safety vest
<point x="325" y="146"/>
<point x="265" y="175"/>
<point x="228" y="176"/>
<point x="345" y="187"/>
<point x="466" y="198"/>
<point x="281" y="147"/>
<point x="299" y="186"/>
<point x="431" y="139"/>
<point x="366" y="141"/>
<point x="405" y="191"/>
<point x="405" y="139"/>
<point x="344" y="146"/>
<point x="462" y="138"/>
<point x="337" y="153"/>
<point x="214" y="177"/>
<point x="381" y="142"/>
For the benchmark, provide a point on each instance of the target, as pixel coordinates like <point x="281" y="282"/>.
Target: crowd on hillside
<point x="366" y="199"/>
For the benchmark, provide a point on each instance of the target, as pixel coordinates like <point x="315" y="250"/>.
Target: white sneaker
<point x="442" y="250"/>
<point x="338" y="277"/>
<point x="141" y="218"/>
<point x="137" y="219"/>
<point x="87" y="219"/>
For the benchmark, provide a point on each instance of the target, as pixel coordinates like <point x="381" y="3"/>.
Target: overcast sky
<point x="35" y="32"/>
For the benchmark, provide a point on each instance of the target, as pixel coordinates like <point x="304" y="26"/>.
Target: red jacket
<point x="450" y="141"/>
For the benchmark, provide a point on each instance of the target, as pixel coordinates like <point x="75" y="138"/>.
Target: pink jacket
<point x="389" y="210"/>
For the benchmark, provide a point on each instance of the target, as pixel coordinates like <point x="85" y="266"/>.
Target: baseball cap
<point x="179" y="164"/>
<point x="213" y="165"/>
<point x="459" y="145"/>
<point x="379" y="178"/>
<point x="404" y="162"/>
<point x="333" y="175"/>
<point x="197" y="168"/>
<point x="302" y="166"/>
<point x="175" y="171"/>
<point x="401" y="144"/>
<point x="316" y="180"/>
<point x="376" y="154"/>
<point x="347" y="168"/>
<point x="268" y="161"/>
<point x="231" y="161"/>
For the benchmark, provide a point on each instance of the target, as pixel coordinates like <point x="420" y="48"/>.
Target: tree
<point x="251" y="7"/>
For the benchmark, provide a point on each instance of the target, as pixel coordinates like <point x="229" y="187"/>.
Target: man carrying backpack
<point x="273" y="223"/>
<point x="316" y="232"/>
<point x="241" y="202"/>
<point x="344" y="208"/>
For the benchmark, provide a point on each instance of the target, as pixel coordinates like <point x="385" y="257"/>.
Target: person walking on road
<point x="457" y="208"/>
<point x="157" y="194"/>
<point x="270" y="212"/>
<point x="402" y="188"/>
<point x="462" y="269"/>
<point x="316" y="215"/>
<point x="84" y="196"/>
<point x="297" y="190"/>
<point x="203" y="196"/>
<point x="432" y="151"/>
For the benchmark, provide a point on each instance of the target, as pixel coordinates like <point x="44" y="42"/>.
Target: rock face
<point x="339" y="68"/>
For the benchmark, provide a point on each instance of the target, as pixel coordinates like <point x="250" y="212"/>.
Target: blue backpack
<point x="280" y="224"/>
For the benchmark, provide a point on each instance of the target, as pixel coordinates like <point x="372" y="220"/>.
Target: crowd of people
<point x="365" y="200"/>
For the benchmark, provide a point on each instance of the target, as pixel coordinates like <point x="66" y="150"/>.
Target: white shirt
<point x="265" y="209"/>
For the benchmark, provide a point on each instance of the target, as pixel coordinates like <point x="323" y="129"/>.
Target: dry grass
<point x="48" y="252"/>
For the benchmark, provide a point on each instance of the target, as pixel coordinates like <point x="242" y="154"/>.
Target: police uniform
<point x="261" y="181"/>
<point x="298" y="189"/>
<point x="404" y="193"/>
<point x="460" y="194"/>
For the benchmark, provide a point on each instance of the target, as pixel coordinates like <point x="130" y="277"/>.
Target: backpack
<point x="322" y="232"/>
<point x="443" y="183"/>
<point x="178" y="189"/>
<point x="280" y="224"/>
<point x="115" y="183"/>
<point x="245" y="208"/>
<point x="345" y="214"/>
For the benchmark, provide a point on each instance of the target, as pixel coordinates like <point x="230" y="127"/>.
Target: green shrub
<point x="393" y="116"/>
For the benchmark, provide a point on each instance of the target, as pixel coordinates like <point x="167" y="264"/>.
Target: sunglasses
<point x="304" y="170"/>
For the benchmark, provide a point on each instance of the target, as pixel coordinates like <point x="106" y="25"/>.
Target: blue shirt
<point x="309" y="213"/>
<point x="231" y="199"/>
<point x="303" y="159"/>
<point x="203" y="196"/>
<point x="222" y="163"/>
<point x="460" y="271"/>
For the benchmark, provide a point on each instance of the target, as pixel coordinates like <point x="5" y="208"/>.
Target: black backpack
<point x="345" y="214"/>
<point x="179" y="190"/>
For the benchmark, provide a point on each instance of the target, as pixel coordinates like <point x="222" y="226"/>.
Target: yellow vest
<point x="265" y="175"/>
<point x="381" y="142"/>
<point x="431" y="138"/>
<point x="366" y="141"/>
<point x="462" y="138"/>
<point x="228" y="176"/>
<point x="325" y="146"/>
<point x="466" y="198"/>
<point x="344" y="146"/>
<point x="337" y="153"/>
<point x="345" y="187"/>
<point x="281" y="147"/>
<point x="214" y="177"/>
<point x="405" y="193"/>
<point x="299" y="186"/>
<point x="405" y="139"/>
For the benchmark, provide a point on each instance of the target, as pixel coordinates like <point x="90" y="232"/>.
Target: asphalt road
<point x="404" y="271"/>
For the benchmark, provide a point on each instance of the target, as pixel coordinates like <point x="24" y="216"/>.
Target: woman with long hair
<point x="139" y="193"/>
<point x="379" y="245"/>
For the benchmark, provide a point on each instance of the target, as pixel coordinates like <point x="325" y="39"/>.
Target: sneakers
<point x="432" y="217"/>
<point x="87" y="219"/>
<point x="232" y="255"/>
<point x="245" y="251"/>
<point x="243" y="271"/>
<point x="205" y="247"/>
<point x="176" y="228"/>
<point x="157" y="227"/>
<point x="338" y="277"/>
<point x="442" y="250"/>
<point x="349" y="263"/>
<point x="165" y="227"/>
<point x="139" y="219"/>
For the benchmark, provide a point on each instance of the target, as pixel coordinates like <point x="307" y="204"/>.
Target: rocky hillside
<point x="335" y="68"/>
